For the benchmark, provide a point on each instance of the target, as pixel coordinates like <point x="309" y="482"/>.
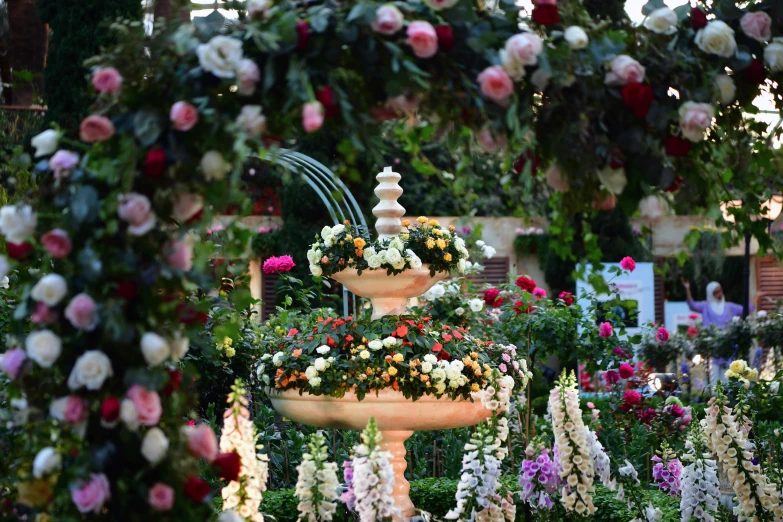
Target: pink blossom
<point x="632" y="397"/>
<point x="147" y="404"/>
<point x="506" y="357"/>
<point x="107" y="79"/>
<point x="556" y="179"/>
<point x="278" y="264"/>
<point x="626" y="371"/>
<point x="248" y="75"/>
<point x="539" y="293"/>
<point x="423" y="39"/>
<point x="662" y="335"/>
<point x="496" y="84"/>
<point x="388" y="19"/>
<point x="611" y="377"/>
<point x="202" y="442"/>
<point x="757" y="25"/>
<point x="12" y="361"/>
<point x="57" y="243"/>
<point x="183" y="116"/>
<point x="81" y="312"/>
<point x="62" y="162"/>
<point x="43" y="314"/>
<point x="695" y="119"/>
<point x="161" y="497"/>
<point x="627" y="263"/>
<point x="590" y="405"/>
<point x="692" y="331"/>
<point x="96" y="128"/>
<point x="624" y="70"/>
<point x="90" y="496"/>
<point x="503" y="367"/>
<point x="75" y="409"/>
<point x="136" y="209"/>
<point x="605" y="329"/>
<point x="179" y="254"/>
<point x="186" y="206"/>
<point x="312" y="116"/>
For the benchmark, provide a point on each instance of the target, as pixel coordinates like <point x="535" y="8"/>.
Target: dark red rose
<point x="189" y="314"/>
<point x="227" y="465"/>
<point x="522" y="307"/>
<point x="196" y="488"/>
<point x="155" y="163"/>
<point x="492" y="296"/>
<point x="303" y="34"/>
<point x="567" y="297"/>
<point x="677" y="146"/>
<point x="110" y="409"/>
<point x="639" y="97"/>
<point x="676" y="184"/>
<point x="443" y="355"/>
<point x="611" y="377"/>
<point x="525" y="158"/>
<point x="546" y="15"/>
<point x="617" y="159"/>
<point x="325" y="95"/>
<point x="755" y="72"/>
<point x="126" y="290"/>
<point x="445" y="37"/>
<point x="698" y="18"/>
<point x="18" y="251"/>
<point x="175" y="379"/>
<point x="526" y="284"/>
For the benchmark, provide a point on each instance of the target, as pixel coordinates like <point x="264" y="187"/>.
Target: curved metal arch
<point x="326" y="185"/>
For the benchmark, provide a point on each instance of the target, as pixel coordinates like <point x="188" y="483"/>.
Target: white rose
<point x="311" y="372"/>
<point x="45" y="143"/>
<point x="315" y="382"/>
<point x="415" y="262"/>
<point x="329" y="242"/>
<point x="773" y="55"/>
<point x="5" y="268"/>
<point x="397" y="243"/>
<point x="717" y="38"/>
<point x="624" y="70"/>
<point x="46" y="461"/>
<point x="179" y="347"/>
<point x="323" y="349"/>
<point x="155" y="445"/>
<point x="316" y="270"/>
<point x="488" y="251"/>
<point x="390" y="342"/>
<point x="50" y="289"/>
<point x="364" y="354"/>
<point x="186" y="205"/>
<point x="374" y="261"/>
<point x="725" y="88"/>
<point x="399" y="265"/>
<point x="653" y="207"/>
<point x="256" y="8"/>
<point x="774" y="387"/>
<point x="476" y="305"/>
<point x="214" y="166"/>
<point x="220" y="56"/>
<point x="320" y="364"/>
<point x="436" y="292"/>
<point x="461" y="265"/>
<point x="375" y="344"/>
<point x="613" y="179"/>
<point x="393" y="256"/>
<point x="43" y="347"/>
<point x="17" y="222"/>
<point x="91" y="370"/>
<point x="338" y="229"/>
<point x="662" y="21"/>
<point x="426" y="367"/>
<point x="277" y="359"/>
<point x="252" y="120"/>
<point x="129" y="415"/>
<point x="248" y="75"/>
<point x="369" y="252"/>
<point x="154" y="348"/>
<point x="576" y="37"/>
<point x="4" y="281"/>
<point x="430" y="358"/>
<point x="312" y="258"/>
<point x="326" y="232"/>
<point x="695" y="118"/>
<point x="459" y="311"/>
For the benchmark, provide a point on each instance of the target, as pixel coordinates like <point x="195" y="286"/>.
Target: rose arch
<point x="613" y="111"/>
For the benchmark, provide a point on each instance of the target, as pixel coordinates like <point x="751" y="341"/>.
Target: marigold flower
<point x="474" y="387"/>
<point x="398" y="357"/>
<point x="437" y="231"/>
<point x="422" y="219"/>
<point x="430" y="243"/>
<point x="441" y="243"/>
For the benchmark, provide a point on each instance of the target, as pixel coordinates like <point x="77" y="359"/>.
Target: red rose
<point x="677" y="146"/>
<point x="227" y="465"/>
<point x="445" y="37"/>
<point x="546" y="15"/>
<point x="18" y="251"/>
<point x="196" y="488"/>
<point x="492" y="296"/>
<point x="526" y="284"/>
<point x="155" y="163"/>
<point x="632" y="397"/>
<point x="325" y="95"/>
<point x="175" y="379"/>
<point x="639" y="97"/>
<point x="611" y="377"/>
<point x="567" y="297"/>
<point x="525" y="158"/>
<point x="110" y="409"/>
<point x="303" y="34"/>
<point x="676" y="184"/>
<point x="626" y="371"/>
<point x="755" y="73"/>
<point x="522" y="307"/>
<point x="188" y="314"/>
<point x="126" y="290"/>
<point x="698" y="18"/>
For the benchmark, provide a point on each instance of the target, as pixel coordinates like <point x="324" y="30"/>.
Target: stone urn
<point x="397" y="417"/>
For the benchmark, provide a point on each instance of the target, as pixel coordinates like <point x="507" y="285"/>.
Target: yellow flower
<point x="405" y="237"/>
<point x="34" y="493"/>
<point x="441" y="243"/>
<point x="230" y="351"/>
<point x="422" y="219"/>
<point x="414" y="373"/>
<point x="447" y="257"/>
<point x="437" y="231"/>
<point x="752" y="374"/>
<point x="434" y="222"/>
<point x="359" y="243"/>
<point x="474" y="355"/>
<point x="430" y="243"/>
<point x="738" y="366"/>
<point x="43" y="517"/>
<point x="406" y="222"/>
<point x="398" y="357"/>
<point x="474" y="387"/>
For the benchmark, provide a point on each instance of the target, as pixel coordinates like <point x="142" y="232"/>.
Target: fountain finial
<point x="388" y="211"/>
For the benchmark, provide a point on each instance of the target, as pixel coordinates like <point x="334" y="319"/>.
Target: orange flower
<point x="325" y="260"/>
<point x="402" y="331"/>
<point x="396" y="385"/>
<point x="359" y="243"/>
<point x="447" y="257"/>
<point x="406" y="222"/>
<point x="296" y="353"/>
<point x="452" y="228"/>
<point x="347" y="222"/>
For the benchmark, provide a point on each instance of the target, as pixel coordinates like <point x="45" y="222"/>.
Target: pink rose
<point x="57" y="243"/>
<point x="540" y="293"/>
<point x="488" y="141"/>
<point x="496" y="84"/>
<point x="12" y="361"/>
<point x="186" y="206"/>
<point x="757" y="25"/>
<point x="248" y="75"/>
<point x="388" y="19"/>
<point x="161" y="497"/>
<point x="524" y="48"/>
<point x="147" y="404"/>
<point x="43" y="314"/>
<point x="627" y="263"/>
<point x="695" y="118"/>
<point x="90" y="496"/>
<point x="75" y="410"/>
<point x="662" y="335"/>
<point x="605" y="330"/>
<point x="624" y="70"/>
<point x="556" y="180"/>
<point x="107" y="79"/>
<point x="312" y="116"/>
<point x="590" y="405"/>
<point x="183" y="116"/>
<point x="136" y="209"/>
<point x="63" y="161"/>
<point x="81" y="312"/>
<point x="96" y="128"/>
<point x="179" y="254"/>
<point x="605" y="201"/>
<point x="202" y="442"/>
<point x="423" y="39"/>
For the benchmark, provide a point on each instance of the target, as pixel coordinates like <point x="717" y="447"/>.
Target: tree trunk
<point x="28" y="41"/>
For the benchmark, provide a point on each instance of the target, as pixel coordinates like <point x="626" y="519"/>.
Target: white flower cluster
<point x="243" y="495"/>
<point x="574" y="452"/>
<point x="313" y="371"/>
<point x="630" y="477"/>
<point x="373" y="477"/>
<point x="726" y="440"/>
<point x="486" y="250"/>
<point x="600" y="459"/>
<point x="439" y="290"/>
<point x="700" y="493"/>
<point x="317" y="485"/>
<point x="444" y="374"/>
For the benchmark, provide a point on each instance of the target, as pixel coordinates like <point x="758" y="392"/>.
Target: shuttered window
<point x="495" y="272"/>
<point x="769" y="282"/>
<point x="268" y="294"/>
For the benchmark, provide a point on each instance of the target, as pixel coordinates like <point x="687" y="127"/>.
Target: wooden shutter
<point x="495" y="272"/>
<point x="769" y="282"/>
<point x="268" y="294"/>
<point x="660" y="291"/>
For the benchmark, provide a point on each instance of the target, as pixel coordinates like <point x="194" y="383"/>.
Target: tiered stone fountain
<point x="397" y="417"/>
